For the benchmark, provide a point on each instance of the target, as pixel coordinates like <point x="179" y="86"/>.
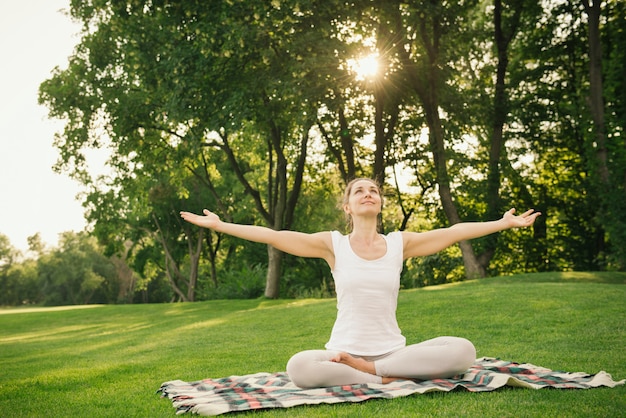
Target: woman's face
<point x="363" y="198"/>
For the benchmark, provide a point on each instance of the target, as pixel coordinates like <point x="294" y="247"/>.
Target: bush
<point x="246" y="283"/>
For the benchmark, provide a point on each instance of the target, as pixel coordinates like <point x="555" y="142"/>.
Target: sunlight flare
<point x="365" y="68"/>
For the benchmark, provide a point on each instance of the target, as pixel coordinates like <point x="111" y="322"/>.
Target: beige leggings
<point x="440" y="357"/>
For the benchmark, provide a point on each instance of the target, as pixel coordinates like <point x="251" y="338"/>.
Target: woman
<point x="366" y="344"/>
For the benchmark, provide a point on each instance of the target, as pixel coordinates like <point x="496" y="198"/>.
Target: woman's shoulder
<point x="394" y="235"/>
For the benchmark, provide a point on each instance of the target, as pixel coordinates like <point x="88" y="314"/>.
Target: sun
<point x="365" y="68"/>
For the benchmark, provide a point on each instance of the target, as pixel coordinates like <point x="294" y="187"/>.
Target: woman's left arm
<point x="431" y="242"/>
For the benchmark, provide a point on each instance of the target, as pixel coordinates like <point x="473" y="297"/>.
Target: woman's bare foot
<point x="362" y="365"/>
<point x="355" y="362"/>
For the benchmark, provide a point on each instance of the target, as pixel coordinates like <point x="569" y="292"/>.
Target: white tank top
<point x="367" y="297"/>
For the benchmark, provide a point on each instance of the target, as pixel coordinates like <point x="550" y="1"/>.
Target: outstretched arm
<point x="431" y="242"/>
<point x="318" y="245"/>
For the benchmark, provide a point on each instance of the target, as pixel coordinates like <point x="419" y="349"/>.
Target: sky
<point x="35" y="37"/>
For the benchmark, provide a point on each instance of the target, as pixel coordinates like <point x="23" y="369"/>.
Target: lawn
<point x="108" y="361"/>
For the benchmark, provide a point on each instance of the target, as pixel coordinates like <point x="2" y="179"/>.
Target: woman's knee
<point x="468" y="348"/>
<point x="459" y="351"/>
<point x="302" y="367"/>
<point x="466" y="353"/>
<point x="296" y="362"/>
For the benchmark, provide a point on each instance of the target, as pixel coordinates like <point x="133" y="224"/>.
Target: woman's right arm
<point x="317" y="245"/>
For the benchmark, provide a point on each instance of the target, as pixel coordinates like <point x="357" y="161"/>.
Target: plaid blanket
<point x="275" y="390"/>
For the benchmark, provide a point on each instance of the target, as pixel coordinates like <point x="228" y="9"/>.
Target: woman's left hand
<point x="520" y="221"/>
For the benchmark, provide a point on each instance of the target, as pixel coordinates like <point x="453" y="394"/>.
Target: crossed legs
<point x="439" y="357"/>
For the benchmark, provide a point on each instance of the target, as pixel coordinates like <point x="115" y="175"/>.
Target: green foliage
<point x="7" y="252"/>
<point x="443" y="267"/>
<point x="19" y="284"/>
<point x="249" y="108"/>
<point x="76" y="273"/>
<point x="243" y="282"/>
<point x="564" y="321"/>
<point x="306" y="278"/>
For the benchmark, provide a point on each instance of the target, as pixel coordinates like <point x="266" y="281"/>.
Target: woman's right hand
<point x="208" y="220"/>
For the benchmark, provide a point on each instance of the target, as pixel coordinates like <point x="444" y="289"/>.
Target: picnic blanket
<point x="275" y="390"/>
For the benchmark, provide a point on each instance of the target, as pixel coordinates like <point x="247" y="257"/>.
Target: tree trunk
<point x="347" y="145"/>
<point x="611" y="191"/>
<point x="426" y="86"/>
<point x="171" y="268"/>
<point x="274" y="270"/>
<point x="503" y="34"/>
<point x="194" y="262"/>
<point x="172" y="281"/>
<point x="596" y="99"/>
<point x="378" y="173"/>
<point x="473" y="268"/>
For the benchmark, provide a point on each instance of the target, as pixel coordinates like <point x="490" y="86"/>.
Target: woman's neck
<point x="366" y="242"/>
<point x="364" y="230"/>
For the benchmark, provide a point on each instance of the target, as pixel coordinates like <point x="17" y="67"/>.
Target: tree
<point x="423" y="53"/>
<point x="611" y="179"/>
<point x="506" y="22"/>
<point x="159" y="74"/>
<point x="76" y="273"/>
<point x="554" y="117"/>
<point x="9" y="286"/>
<point x="7" y="252"/>
<point x="240" y="104"/>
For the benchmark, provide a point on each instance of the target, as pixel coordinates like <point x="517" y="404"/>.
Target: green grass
<point x="108" y="361"/>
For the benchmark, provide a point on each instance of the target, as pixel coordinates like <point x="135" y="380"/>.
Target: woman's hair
<point x="346" y="199"/>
